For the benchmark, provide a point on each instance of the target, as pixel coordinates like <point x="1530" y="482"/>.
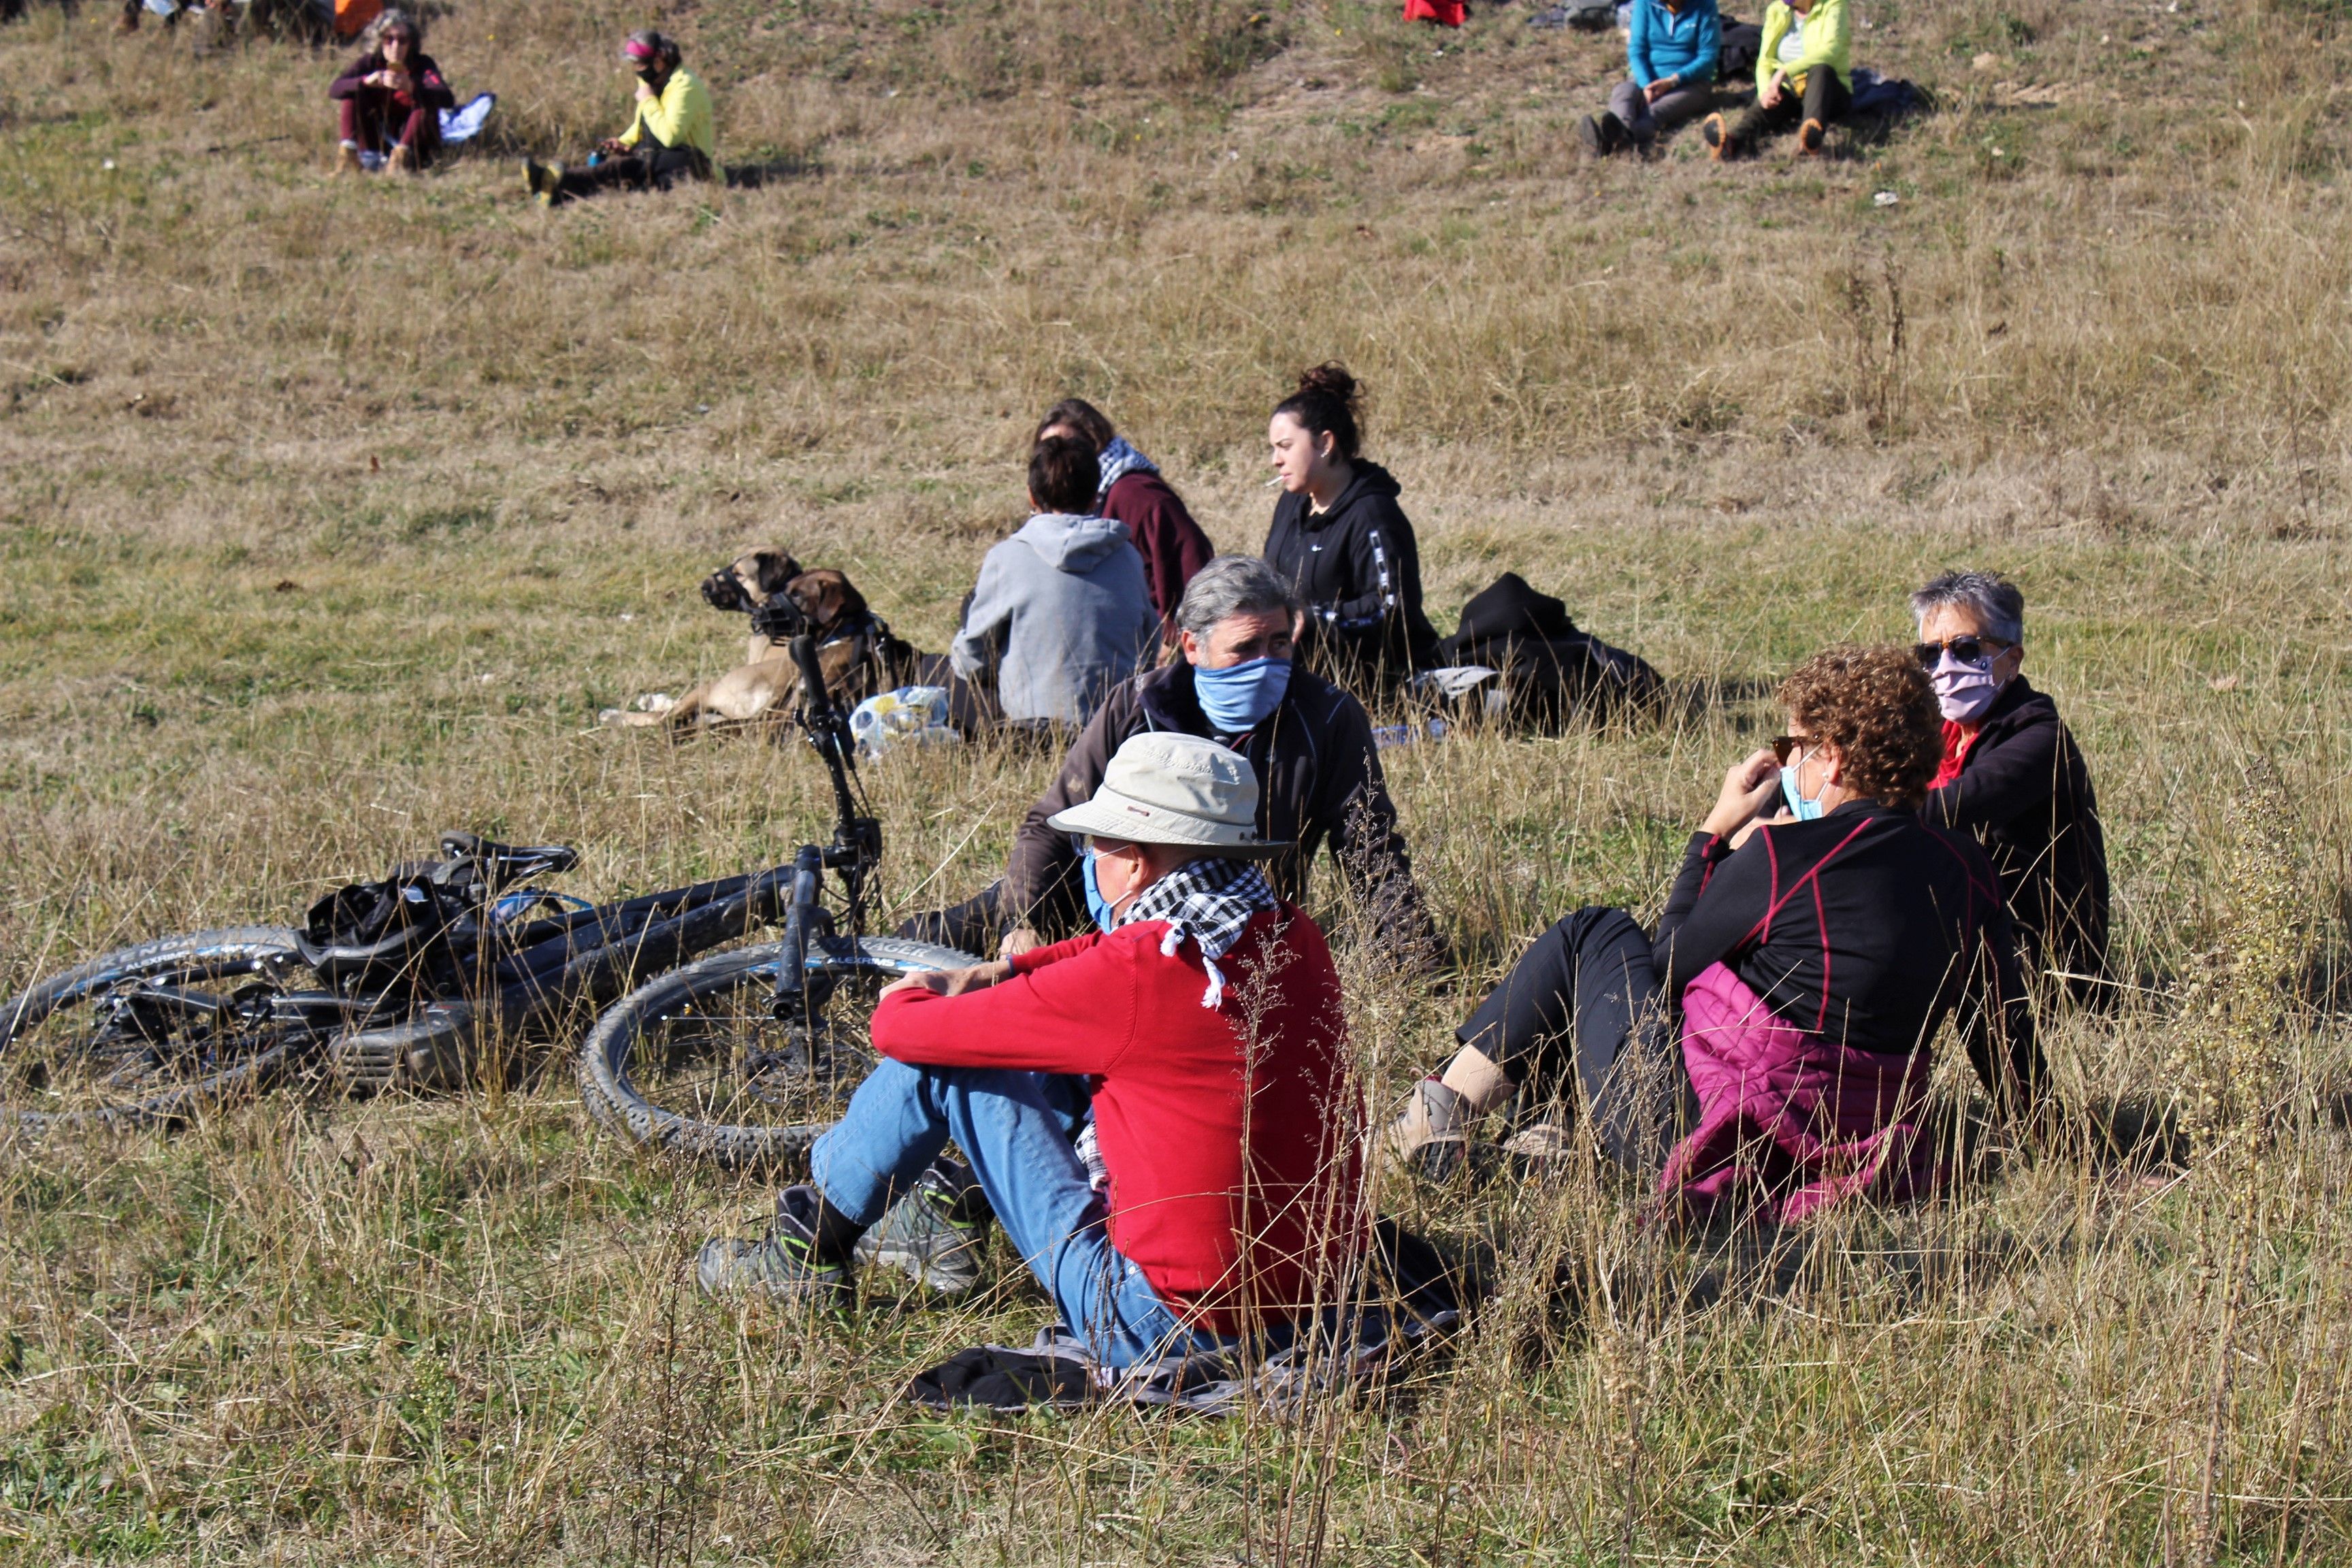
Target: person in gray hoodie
<point x="1060" y="609"/>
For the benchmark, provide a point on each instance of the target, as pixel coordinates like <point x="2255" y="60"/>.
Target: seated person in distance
<point x="2012" y="776"/>
<point x="1310" y="742"/>
<point x="1205" y="1013"/>
<point x="1060" y="612"/>
<point x="1770" y="1042"/>
<point x="672" y="135"/>
<point x="388" y="103"/>
<point x="1671" y="50"/>
<point x="1804" y="80"/>
<point x="1131" y="491"/>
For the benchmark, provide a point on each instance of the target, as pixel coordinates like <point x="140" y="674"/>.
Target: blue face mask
<point x="1096" y="905"/>
<point x="1804" y="810"/>
<point x="1240" y="695"/>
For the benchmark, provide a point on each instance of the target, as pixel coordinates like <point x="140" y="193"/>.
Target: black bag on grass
<point x="1551" y="670"/>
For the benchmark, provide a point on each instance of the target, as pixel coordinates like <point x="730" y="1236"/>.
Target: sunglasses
<point x="1967" y="650"/>
<point x="1786" y="746"/>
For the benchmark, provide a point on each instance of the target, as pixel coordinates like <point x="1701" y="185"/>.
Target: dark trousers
<point x="369" y="116"/>
<point x="1825" y="98"/>
<point x="649" y="167"/>
<point x="1585" y="998"/>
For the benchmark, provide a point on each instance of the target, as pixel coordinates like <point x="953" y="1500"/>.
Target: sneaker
<point x="1717" y="136"/>
<point x="544" y="180"/>
<point x="930" y="1235"/>
<point x="781" y="1266"/>
<point x="1809" y="136"/>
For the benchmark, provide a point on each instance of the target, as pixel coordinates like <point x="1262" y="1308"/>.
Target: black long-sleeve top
<point x="1868" y="927"/>
<point x="1357" y="568"/>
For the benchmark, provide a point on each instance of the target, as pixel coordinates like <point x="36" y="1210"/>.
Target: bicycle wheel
<point x="150" y="1032"/>
<point x="693" y="1061"/>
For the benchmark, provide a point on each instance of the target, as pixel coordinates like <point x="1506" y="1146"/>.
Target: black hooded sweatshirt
<point x="1357" y="568"/>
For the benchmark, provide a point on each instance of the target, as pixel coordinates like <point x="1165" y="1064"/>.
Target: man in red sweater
<point x="1206" y="1016"/>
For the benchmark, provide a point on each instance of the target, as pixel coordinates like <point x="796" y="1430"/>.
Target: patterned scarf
<point x="1210" y="900"/>
<point x="1119" y="459"/>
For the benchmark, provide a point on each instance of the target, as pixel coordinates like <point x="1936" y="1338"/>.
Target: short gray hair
<point x="1993" y="598"/>
<point x="1233" y="585"/>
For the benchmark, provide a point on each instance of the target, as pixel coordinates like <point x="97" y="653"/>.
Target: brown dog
<point x="856" y="650"/>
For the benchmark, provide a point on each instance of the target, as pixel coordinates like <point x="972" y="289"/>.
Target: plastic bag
<point x="916" y="713"/>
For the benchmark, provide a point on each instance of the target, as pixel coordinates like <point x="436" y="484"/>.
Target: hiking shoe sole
<point x="1810" y="137"/>
<point x="1717" y="140"/>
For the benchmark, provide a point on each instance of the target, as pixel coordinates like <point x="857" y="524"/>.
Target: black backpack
<point x="1552" y="671"/>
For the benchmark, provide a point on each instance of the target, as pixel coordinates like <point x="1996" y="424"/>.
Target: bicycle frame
<point x="854" y="852"/>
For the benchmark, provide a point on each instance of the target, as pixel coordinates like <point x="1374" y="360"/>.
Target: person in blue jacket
<point x="1670" y="58"/>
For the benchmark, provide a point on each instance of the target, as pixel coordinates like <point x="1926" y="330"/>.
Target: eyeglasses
<point x="1971" y="649"/>
<point x="1786" y="746"/>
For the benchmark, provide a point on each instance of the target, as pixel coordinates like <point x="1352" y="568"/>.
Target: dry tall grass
<point x="330" y="515"/>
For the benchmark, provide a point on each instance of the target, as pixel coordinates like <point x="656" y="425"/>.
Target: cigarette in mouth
<point x="1271" y="483"/>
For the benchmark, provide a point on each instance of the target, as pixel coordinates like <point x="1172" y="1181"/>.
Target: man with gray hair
<point x="1310" y="742"/>
<point x="2012" y="776"/>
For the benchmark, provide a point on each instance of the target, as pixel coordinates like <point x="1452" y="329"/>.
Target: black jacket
<point x="2025" y="793"/>
<point x="1867" y="926"/>
<point x="1357" y="569"/>
<point x="1320" y="782"/>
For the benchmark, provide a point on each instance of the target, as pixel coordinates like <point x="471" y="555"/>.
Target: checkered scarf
<point x="1117" y="460"/>
<point x="1210" y="900"/>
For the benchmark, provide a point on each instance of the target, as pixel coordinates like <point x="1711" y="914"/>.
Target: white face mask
<point x="1963" y="691"/>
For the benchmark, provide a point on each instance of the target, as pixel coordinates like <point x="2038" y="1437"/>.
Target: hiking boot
<point x="544" y="180"/>
<point x="1809" y="136"/>
<point x="1588" y="131"/>
<point x="347" y="160"/>
<point x="932" y="1234"/>
<point x="401" y="161"/>
<point x="782" y="1266"/>
<point x="1717" y="136"/>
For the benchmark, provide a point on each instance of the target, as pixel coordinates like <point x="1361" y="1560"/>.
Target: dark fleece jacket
<point x="1320" y="782"/>
<point x="1357" y="569"/>
<point x="2025" y="793"/>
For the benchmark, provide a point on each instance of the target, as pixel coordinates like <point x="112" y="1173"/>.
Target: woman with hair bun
<point x="1768" y="1047"/>
<point x="1342" y="542"/>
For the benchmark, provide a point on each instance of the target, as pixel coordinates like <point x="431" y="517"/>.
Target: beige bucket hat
<point x="1169" y="788"/>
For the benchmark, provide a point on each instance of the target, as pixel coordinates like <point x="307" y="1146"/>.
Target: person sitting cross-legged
<point x="1768" y="1045"/>
<point x="1671" y="50"/>
<point x="1804" y="80"/>
<point x="672" y="136"/>
<point x="1206" y="1013"/>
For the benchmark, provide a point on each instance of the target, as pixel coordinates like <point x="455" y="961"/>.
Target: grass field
<point x="331" y="514"/>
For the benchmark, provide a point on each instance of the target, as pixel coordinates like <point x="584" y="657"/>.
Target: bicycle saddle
<point x="505" y="862"/>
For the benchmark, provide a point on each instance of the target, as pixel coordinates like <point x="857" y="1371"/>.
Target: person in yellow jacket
<point x="1804" y="79"/>
<point x="672" y="135"/>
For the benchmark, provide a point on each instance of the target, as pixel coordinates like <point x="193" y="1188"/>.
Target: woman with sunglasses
<point x="2011" y="774"/>
<point x="389" y="100"/>
<point x="1768" y="1045"/>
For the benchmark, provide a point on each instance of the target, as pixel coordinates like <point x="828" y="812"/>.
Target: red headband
<point x="637" y="51"/>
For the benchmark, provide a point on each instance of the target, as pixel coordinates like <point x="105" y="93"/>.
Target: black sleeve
<point x="2001" y="782"/>
<point x="1383" y="570"/>
<point x="1352" y="801"/>
<point x="1719" y="898"/>
<point x="1996" y="1022"/>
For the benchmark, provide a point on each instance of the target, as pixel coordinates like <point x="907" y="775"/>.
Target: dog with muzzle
<point x="855" y="648"/>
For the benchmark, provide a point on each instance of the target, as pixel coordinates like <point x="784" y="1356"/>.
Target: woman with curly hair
<point x="1769" y="1043"/>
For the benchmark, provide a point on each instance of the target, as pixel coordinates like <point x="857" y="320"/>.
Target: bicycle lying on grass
<point x="408" y="981"/>
<point x="744" y="1057"/>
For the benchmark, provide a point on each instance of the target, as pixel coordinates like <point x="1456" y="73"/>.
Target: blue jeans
<point x="1015" y="1128"/>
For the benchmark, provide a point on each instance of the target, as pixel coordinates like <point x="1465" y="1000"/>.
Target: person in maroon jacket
<point x="389" y="100"/>
<point x="1206" y="1016"/>
<point x="1173" y="546"/>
